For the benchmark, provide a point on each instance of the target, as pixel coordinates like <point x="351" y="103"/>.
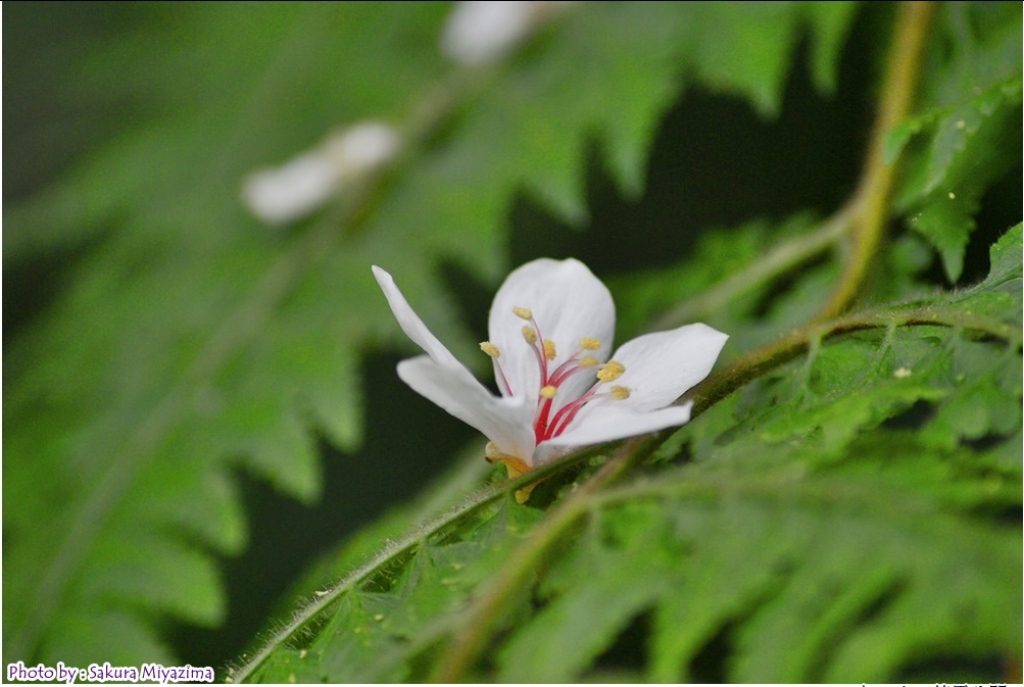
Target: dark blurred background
<point x="714" y="163"/>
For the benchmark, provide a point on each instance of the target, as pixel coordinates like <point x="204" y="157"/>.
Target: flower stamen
<point x="542" y="348"/>
<point x="610" y="371"/>
<point x="619" y="393"/>
<point x="550" y="420"/>
<point x="571" y="366"/>
<point x="523" y="313"/>
<point x="494" y="352"/>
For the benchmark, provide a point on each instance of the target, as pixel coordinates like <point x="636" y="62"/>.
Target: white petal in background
<point x="481" y="32"/>
<point x="298" y="187"/>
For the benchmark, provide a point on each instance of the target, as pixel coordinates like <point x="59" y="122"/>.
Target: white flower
<point x="551" y="327"/>
<point x="306" y="182"/>
<point x="483" y="31"/>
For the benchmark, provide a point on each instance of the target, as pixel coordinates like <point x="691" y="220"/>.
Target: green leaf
<point x="721" y="37"/>
<point x="962" y="138"/>
<point x="597" y="609"/>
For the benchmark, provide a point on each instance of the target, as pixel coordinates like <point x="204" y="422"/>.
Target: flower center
<point x="553" y="418"/>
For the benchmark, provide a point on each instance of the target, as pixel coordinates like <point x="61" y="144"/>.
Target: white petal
<point x="608" y="422"/>
<point x="411" y="324"/>
<point x="291" y="191"/>
<point x="480" y="32"/>
<point x="505" y="421"/>
<point x="568" y="303"/>
<point x="362" y="147"/>
<point x="660" y="367"/>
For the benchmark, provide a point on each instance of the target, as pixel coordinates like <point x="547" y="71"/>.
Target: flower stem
<point x="872" y="197"/>
<point x="481" y="617"/>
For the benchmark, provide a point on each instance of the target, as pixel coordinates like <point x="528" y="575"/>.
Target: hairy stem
<point x="872" y="196"/>
<point x="432" y="527"/>
<point x="782" y="350"/>
<point x="482" y="616"/>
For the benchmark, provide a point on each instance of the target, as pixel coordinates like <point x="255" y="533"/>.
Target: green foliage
<point x="839" y="519"/>
<point x="847" y="515"/>
<point x="191" y="339"/>
<point x="967" y="130"/>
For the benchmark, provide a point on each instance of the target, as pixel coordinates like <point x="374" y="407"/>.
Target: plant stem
<point x="481" y="617"/>
<point x="779" y="260"/>
<point x="872" y="196"/>
<point x="780" y="351"/>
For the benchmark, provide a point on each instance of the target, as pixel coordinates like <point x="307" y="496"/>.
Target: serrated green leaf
<point x="1004" y="275"/>
<point x="720" y="37"/>
<point x="961" y="138"/>
<point x="544" y="651"/>
<point x="967" y="153"/>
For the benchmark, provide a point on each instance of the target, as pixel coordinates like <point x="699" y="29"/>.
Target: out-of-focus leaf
<point x="190" y="339"/>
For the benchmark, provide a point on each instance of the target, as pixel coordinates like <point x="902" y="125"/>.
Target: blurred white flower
<point x="483" y="31"/>
<point x="300" y="186"/>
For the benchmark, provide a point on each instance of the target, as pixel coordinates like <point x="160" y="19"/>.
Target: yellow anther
<point x="490" y="349"/>
<point x="610" y="371"/>
<point x="588" y="361"/>
<point x="620" y="393"/>
<point x="523" y="313"/>
<point x="529" y="335"/>
<point x="548" y="391"/>
<point x="590" y="344"/>
<point x="549" y="349"/>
